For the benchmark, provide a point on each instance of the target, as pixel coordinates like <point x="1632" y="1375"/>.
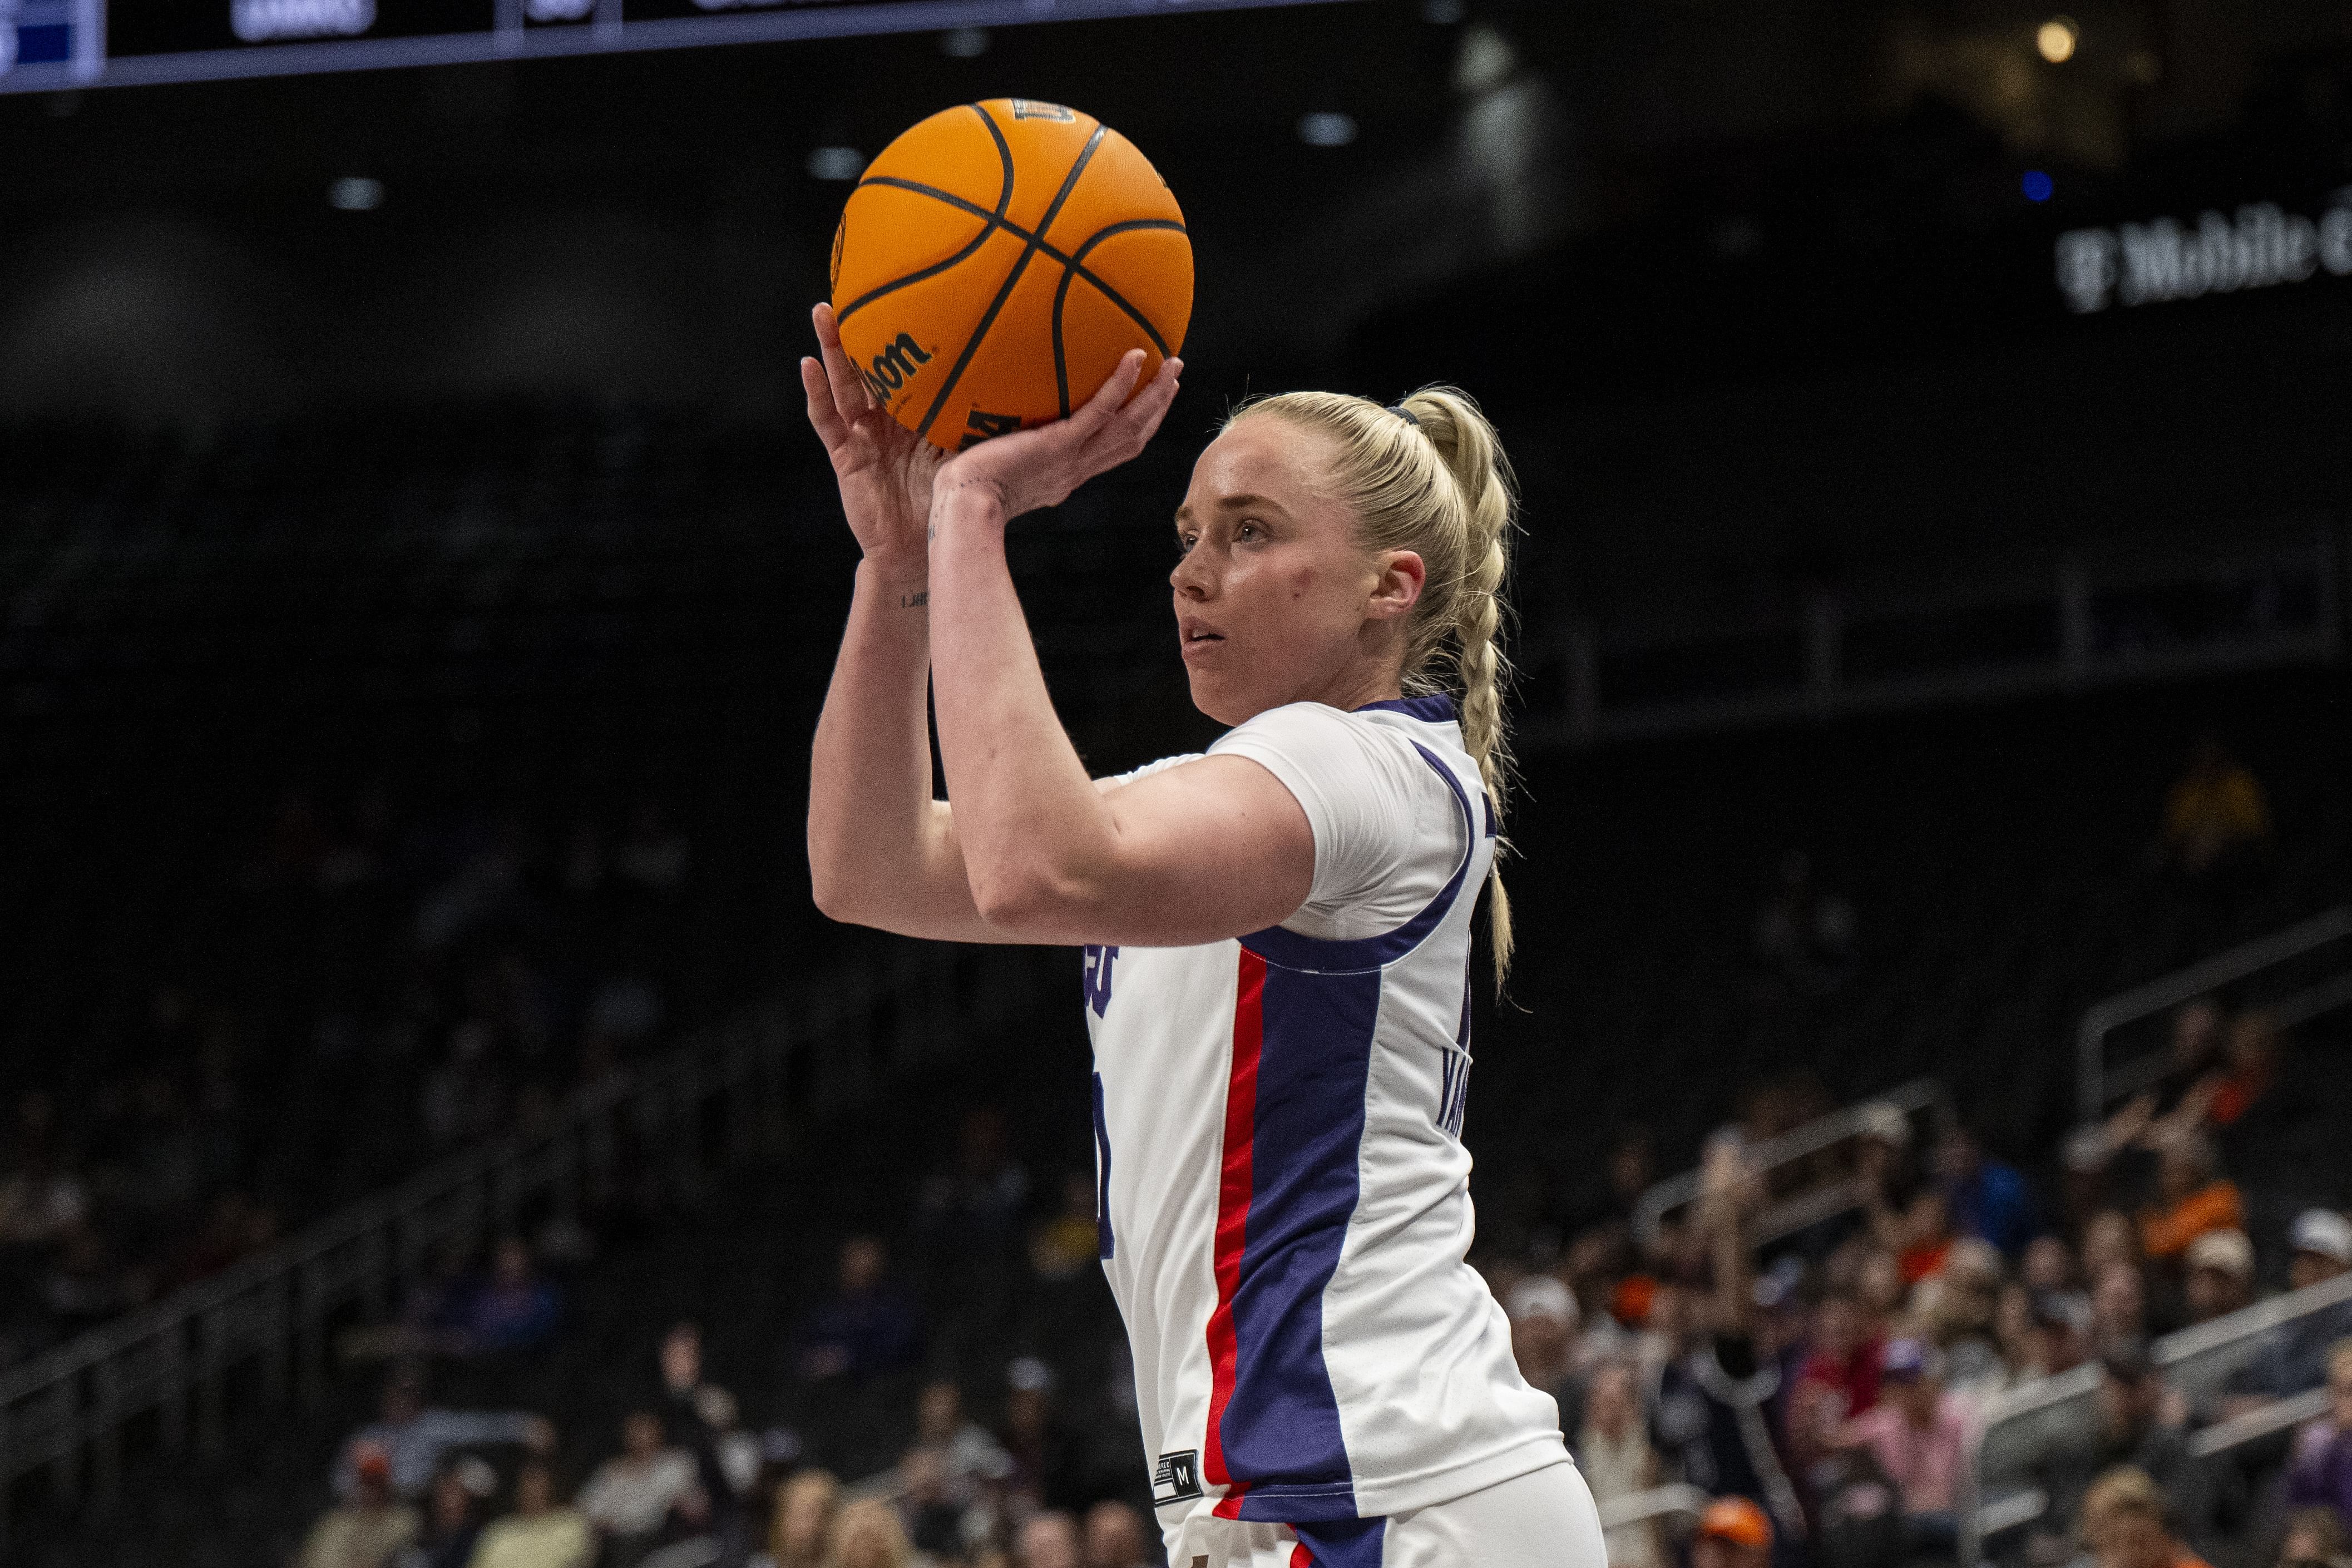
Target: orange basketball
<point x="995" y="262"/>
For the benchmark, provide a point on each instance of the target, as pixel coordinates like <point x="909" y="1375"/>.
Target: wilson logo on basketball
<point x="893" y="365"/>
<point x="1030" y="109"/>
<point x="981" y="427"/>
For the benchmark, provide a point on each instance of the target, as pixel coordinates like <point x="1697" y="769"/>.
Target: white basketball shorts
<point x="1544" y="1519"/>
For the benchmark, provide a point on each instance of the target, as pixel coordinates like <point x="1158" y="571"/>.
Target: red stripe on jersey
<point x="1301" y="1557"/>
<point x="1233" y="1191"/>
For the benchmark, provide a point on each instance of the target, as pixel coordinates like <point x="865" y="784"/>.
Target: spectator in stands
<point x="2217" y="817"/>
<point x="867" y="1326"/>
<point x="1716" y="1411"/>
<point x="450" y="1528"/>
<point x="2130" y="1426"/>
<point x="1733" y="1533"/>
<point x="867" y="1534"/>
<point x="2319" y="1474"/>
<point x="1114" y="1536"/>
<point x="1049" y="1468"/>
<point x="541" y="1532"/>
<point x="1069" y="1245"/>
<point x="1985" y="1199"/>
<point x="1615" y="1454"/>
<point x="2109" y="1238"/>
<point x="2125" y="1523"/>
<point x="2315" y="1538"/>
<point x="415" y="1437"/>
<point x="701" y="1418"/>
<point x="1917" y="1433"/>
<point x="935" y="1522"/>
<point x="1543" y="1340"/>
<point x="2058" y="1335"/>
<point x="2192" y="1197"/>
<point x="969" y="1458"/>
<point x="1050" y="1539"/>
<point x="1957" y="1316"/>
<point x="802" y="1527"/>
<point x="633" y="1498"/>
<point x="2119" y="1306"/>
<point x="512" y="1310"/>
<point x="2221" y="1275"/>
<point x="2294" y="1357"/>
<point x="367" y="1528"/>
<point x="1846" y="1354"/>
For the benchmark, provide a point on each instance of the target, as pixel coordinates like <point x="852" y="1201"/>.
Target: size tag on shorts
<point x="1176" y="1478"/>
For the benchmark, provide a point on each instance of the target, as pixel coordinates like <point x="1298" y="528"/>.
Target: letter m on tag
<point x="1099" y="963"/>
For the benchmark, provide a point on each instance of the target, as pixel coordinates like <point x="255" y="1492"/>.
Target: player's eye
<point x="1250" y="530"/>
<point x="1184" y="543"/>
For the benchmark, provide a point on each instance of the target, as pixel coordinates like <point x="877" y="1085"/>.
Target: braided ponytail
<point x="1429" y="476"/>
<point x="1467" y="445"/>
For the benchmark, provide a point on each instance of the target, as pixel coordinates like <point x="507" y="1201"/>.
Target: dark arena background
<point x="436" y="1128"/>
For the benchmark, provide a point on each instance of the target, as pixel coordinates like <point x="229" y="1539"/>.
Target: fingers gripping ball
<point x="995" y="263"/>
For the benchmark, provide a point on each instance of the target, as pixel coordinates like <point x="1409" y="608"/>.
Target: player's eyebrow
<point x="1244" y="503"/>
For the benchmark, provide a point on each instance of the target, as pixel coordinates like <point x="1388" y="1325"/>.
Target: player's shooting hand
<point x="884" y="469"/>
<point x="1040" y="467"/>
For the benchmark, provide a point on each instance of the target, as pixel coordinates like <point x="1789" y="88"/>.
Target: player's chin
<point x="1216" y="696"/>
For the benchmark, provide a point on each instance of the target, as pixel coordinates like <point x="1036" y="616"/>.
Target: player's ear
<point x="1397" y="588"/>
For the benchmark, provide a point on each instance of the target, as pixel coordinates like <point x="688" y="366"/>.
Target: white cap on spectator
<point x="2323" y="1231"/>
<point x="1887" y="1123"/>
<point x="2228" y="1251"/>
<point x="1541" y="1296"/>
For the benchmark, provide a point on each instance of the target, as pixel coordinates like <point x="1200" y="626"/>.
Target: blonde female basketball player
<point x="1278" y="938"/>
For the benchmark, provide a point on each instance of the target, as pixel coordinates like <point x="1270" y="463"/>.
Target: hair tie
<point x="1404" y="414"/>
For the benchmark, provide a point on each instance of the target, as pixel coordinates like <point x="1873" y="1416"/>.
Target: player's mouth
<point x="1198" y="640"/>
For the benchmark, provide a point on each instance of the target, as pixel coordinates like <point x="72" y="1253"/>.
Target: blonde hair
<point x="825" y="1489"/>
<point x="866" y="1533"/>
<point x="2123" y="1492"/>
<point x="1429" y="476"/>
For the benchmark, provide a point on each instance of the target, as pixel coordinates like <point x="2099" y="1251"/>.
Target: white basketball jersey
<point x="1284" y="1194"/>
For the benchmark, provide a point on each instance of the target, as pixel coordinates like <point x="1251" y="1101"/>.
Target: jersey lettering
<point x="1097" y="981"/>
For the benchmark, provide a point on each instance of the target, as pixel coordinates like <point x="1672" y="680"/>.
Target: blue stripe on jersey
<point x="1315" y="954"/>
<point x="1344" y="1543"/>
<point x="1436" y="708"/>
<point x="1281" y="1426"/>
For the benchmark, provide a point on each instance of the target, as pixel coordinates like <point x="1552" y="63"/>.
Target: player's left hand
<point x="1032" y="468"/>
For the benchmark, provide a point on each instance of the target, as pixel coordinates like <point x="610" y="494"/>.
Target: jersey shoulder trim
<point x="1316" y="954"/>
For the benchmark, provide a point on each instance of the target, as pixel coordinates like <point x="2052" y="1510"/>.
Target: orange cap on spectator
<point x="1630" y="1301"/>
<point x="1737" y="1520"/>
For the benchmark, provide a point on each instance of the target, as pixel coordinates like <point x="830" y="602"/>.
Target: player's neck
<point x="1358" y="684"/>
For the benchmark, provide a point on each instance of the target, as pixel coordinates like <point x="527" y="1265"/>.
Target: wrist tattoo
<point x="914" y="601"/>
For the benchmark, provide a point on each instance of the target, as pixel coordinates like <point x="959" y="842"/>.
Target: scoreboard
<point x="46" y="45"/>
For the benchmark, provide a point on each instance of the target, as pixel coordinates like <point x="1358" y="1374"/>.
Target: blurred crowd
<point x="457" y="969"/>
<point x="971" y="1409"/>
<point x="1829" y="1340"/>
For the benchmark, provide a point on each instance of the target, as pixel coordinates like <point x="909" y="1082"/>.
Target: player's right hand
<point x="885" y="470"/>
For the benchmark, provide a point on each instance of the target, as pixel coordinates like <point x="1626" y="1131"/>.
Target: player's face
<point x="1277" y="601"/>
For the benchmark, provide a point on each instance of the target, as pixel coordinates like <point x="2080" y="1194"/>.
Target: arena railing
<point x="1794" y="1213"/>
<point x="2013" y="1427"/>
<point x="1675" y="1500"/>
<point x="2099" y="1085"/>
<point x="268" y="1318"/>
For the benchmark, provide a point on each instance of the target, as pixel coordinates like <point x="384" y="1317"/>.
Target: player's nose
<point x="1192" y="578"/>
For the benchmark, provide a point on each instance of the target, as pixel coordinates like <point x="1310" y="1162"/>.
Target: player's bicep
<point x="1216" y="847"/>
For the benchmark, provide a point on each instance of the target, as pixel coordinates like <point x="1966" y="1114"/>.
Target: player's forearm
<point x="878" y="854"/>
<point x="1036" y="835"/>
